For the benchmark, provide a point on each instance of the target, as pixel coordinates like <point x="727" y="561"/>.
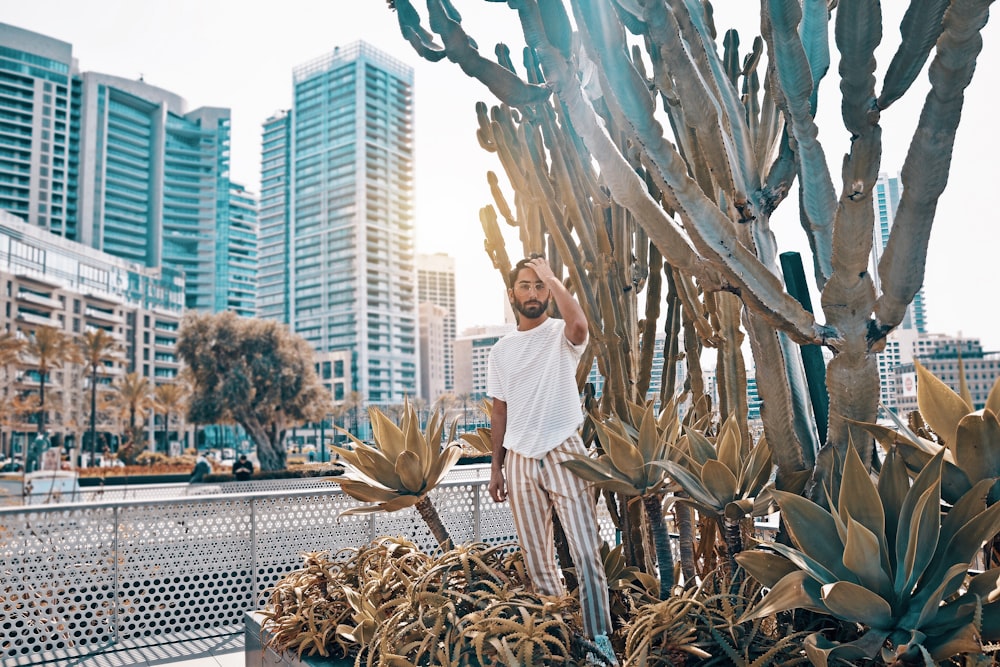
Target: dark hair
<point x="512" y="276"/>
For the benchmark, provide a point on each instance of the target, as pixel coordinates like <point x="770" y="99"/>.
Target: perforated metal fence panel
<point x="81" y="579"/>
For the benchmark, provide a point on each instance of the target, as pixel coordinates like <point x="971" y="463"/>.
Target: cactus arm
<point x="920" y="29"/>
<point x="459" y="48"/>
<point x="696" y="22"/>
<point x="494" y="244"/>
<point x="813" y="33"/>
<point x="712" y="108"/>
<point x="794" y="76"/>
<point x="925" y="170"/>
<point x="848" y="297"/>
<point x="715" y="239"/>
<point x="648" y="324"/>
<point x="419" y="38"/>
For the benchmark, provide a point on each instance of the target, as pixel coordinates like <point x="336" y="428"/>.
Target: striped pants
<point x="535" y="487"/>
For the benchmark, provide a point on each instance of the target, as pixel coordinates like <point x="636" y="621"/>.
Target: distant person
<point x="201" y="468"/>
<point x="243" y="468"/>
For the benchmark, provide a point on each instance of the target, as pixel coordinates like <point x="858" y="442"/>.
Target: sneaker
<point x="607" y="656"/>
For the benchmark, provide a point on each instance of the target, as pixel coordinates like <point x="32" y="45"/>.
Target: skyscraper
<point x="274" y="240"/>
<point x="119" y="165"/>
<point x="236" y="257"/>
<point x="154" y="180"/>
<point x="39" y="130"/>
<point x="337" y="206"/>
<point x="436" y="285"/>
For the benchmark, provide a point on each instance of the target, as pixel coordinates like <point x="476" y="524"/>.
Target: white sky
<point x="240" y="55"/>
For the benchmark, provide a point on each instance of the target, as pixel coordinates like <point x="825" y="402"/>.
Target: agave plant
<point x="883" y="557"/>
<point x="402" y="468"/>
<point x="628" y="466"/>
<point x="969" y="439"/>
<point x="480" y="438"/>
<point x="723" y="479"/>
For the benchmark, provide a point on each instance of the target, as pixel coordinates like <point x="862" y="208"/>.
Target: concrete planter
<point x="258" y="655"/>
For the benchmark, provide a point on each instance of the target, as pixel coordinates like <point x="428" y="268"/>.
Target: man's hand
<point x="498" y="485"/>
<point x="541" y="267"/>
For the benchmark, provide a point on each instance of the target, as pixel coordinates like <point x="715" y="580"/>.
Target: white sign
<point x="909" y="387"/>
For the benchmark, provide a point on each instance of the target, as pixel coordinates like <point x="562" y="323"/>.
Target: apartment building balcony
<point x="38" y="299"/>
<point x="102" y="297"/>
<point x="38" y="320"/>
<point x="37" y="278"/>
<point x="103" y="316"/>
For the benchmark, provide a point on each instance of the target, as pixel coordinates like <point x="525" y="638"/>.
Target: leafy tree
<point x="253" y="372"/>
<point x="97" y="346"/>
<point x="47" y="349"/>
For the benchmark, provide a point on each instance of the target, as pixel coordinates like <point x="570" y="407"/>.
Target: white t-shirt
<point x="534" y="372"/>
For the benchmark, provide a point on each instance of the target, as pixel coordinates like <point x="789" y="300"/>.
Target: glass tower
<point x="345" y="185"/>
<point x="236" y="269"/>
<point x="273" y="274"/>
<point x="39" y="130"/>
<point x="124" y="167"/>
<point x="155" y="180"/>
<point x="899" y="347"/>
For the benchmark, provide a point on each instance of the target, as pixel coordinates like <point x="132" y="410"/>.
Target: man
<point x="535" y="423"/>
<point x="201" y="468"/>
<point x="242" y="468"/>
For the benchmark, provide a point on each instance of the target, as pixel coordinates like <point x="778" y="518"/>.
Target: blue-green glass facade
<point x="274" y="240"/>
<point x="351" y="281"/>
<point x="122" y="166"/>
<point x="39" y="130"/>
<point x="236" y="287"/>
<point x="155" y="183"/>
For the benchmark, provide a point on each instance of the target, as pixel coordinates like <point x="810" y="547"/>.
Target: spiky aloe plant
<point x="401" y="469"/>
<point x="627" y="466"/>
<point x="883" y="557"/>
<point x="724" y="478"/>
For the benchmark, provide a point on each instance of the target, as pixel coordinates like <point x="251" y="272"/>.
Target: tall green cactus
<point x="633" y="126"/>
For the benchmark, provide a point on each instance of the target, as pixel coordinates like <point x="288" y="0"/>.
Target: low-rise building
<point x="49" y="281"/>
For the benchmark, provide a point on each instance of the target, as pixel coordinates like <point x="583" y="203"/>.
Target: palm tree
<point x="168" y="399"/>
<point x="96" y="347"/>
<point x="352" y="402"/>
<point x="11" y="348"/>
<point x="132" y="397"/>
<point x="49" y="348"/>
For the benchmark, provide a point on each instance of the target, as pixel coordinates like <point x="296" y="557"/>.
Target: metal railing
<point x="83" y="578"/>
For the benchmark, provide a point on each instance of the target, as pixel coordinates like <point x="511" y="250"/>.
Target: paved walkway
<point x="214" y="652"/>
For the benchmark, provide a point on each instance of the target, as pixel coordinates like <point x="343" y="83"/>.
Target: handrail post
<point x="476" y="513"/>
<point x="115" y="639"/>
<point x="253" y="552"/>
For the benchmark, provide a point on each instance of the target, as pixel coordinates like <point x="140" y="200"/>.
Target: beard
<point x="531" y="309"/>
